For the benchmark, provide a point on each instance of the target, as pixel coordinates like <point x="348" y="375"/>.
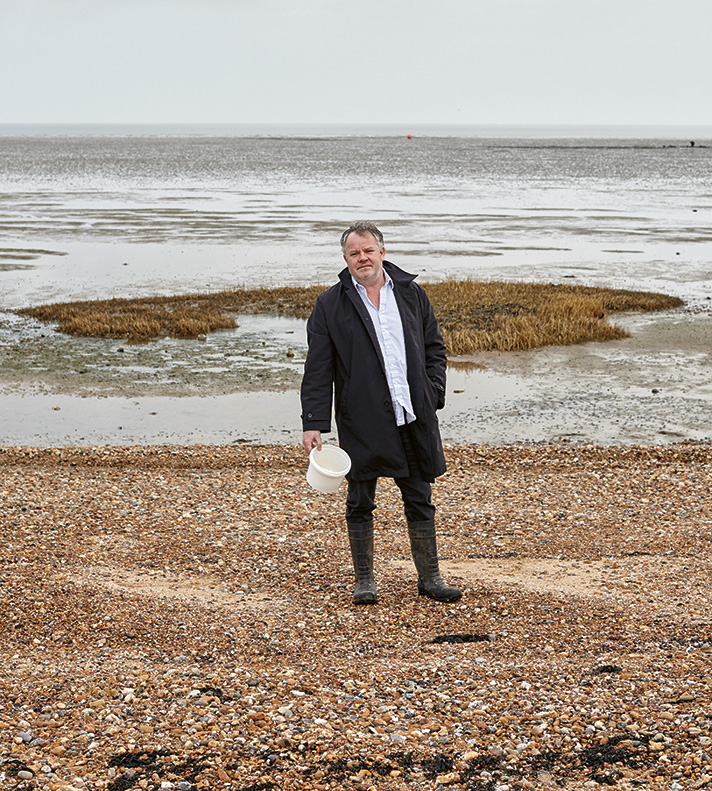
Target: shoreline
<point x="266" y="459"/>
<point x="651" y="388"/>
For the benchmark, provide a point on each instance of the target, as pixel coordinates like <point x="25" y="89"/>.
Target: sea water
<point x="98" y="215"/>
<point x="104" y="212"/>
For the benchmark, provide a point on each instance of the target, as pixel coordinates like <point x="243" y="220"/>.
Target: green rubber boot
<point x="361" y="542"/>
<point x="423" y="545"/>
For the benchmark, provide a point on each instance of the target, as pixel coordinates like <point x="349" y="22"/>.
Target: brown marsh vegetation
<point x="496" y="316"/>
<point x="474" y="316"/>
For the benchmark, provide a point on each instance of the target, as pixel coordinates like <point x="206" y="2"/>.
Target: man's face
<point x="364" y="259"/>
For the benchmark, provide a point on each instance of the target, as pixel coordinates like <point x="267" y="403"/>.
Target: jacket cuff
<point x="441" y="394"/>
<point x="311" y="422"/>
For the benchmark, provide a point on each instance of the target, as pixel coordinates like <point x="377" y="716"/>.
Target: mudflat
<point x="650" y="388"/>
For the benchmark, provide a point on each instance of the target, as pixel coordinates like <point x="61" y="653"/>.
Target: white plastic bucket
<point x="327" y="468"/>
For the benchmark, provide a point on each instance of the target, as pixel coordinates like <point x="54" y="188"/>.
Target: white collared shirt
<point x="389" y="329"/>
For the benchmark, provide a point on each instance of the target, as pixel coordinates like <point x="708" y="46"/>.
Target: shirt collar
<point x="362" y="289"/>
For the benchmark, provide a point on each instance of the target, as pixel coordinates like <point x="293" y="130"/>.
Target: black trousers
<point x="415" y="490"/>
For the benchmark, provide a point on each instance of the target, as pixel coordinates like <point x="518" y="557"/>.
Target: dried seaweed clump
<point x="496" y="316"/>
<point x="474" y="316"/>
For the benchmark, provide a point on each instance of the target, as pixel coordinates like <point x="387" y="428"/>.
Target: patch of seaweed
<point x="473" y="316"/>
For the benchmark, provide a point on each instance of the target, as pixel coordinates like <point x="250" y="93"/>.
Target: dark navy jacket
<point x="345" y="364"/>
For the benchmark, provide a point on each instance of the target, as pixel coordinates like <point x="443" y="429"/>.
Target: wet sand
<point x="652" y="388"/>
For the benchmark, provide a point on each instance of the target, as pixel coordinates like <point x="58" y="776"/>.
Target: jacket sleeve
<point x="317" y="382"/>
<point x="435" y="351"/>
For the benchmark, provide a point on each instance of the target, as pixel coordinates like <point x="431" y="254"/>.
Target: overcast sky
<point x="356" y="61"/>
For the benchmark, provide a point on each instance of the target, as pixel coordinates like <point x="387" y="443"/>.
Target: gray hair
<point x="361" y="227"/>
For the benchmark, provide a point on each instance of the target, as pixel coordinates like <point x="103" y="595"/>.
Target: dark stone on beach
<point x="462" y="638"/>
<point x="607" y="669"/>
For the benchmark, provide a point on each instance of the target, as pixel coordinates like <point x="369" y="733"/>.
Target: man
<point x="375" y="344"/>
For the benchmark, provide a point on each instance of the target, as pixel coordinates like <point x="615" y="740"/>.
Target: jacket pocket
<point x="342" y="401"/>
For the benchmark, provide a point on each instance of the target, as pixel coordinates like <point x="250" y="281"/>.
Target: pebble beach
<point x="175" y="601"/>
<point x="181" y="618"/>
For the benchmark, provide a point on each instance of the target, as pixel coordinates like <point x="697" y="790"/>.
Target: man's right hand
<point x="310" y="440"/>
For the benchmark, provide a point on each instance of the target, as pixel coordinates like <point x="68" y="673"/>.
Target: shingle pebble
<point x="181" y="618"/>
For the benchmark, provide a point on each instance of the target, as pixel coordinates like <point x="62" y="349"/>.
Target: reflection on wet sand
<point x="625" y="392"/>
